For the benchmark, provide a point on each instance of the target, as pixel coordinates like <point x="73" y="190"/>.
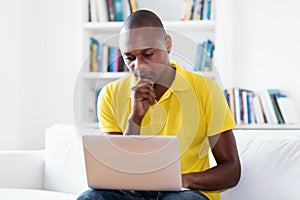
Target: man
<point x="161" y="98"/>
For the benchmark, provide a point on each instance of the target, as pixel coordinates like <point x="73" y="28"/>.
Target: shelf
<point x="117" y="75"/>
<point x="104" y="27"/>
<point x="93" y="125"/>
<point x="269" y="126"/>
<point x="104" y="75"/>
<point x="115" y="27"/>
<point x="192" y="25"/>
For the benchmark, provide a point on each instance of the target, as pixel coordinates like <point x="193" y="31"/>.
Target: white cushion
<point x="22" y="169"/>
<point x="270" y="165"/>
<point x="29" y="194"/>
<point x="64" y="160"/>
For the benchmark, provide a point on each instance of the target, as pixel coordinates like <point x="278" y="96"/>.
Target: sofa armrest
<point x="22" y="169"/>
<point x="64" y="160"/>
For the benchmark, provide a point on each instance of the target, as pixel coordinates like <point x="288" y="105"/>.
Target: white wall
<point x="9" y="40"/>
<point x="266" y="45"/>
<point x="43" y="69"/>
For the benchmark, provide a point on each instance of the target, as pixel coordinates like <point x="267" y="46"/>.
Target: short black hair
<point x="142" y="18"/>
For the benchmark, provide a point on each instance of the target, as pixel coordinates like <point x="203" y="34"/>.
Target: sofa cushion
<point x="64" y="161"/>
<point x="270" y="165"/>
<point x="29" y="194"/>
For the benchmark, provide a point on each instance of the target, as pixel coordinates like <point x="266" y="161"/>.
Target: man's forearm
<point x="224" y="176"/>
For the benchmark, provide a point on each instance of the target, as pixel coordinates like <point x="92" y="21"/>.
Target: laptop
<point x="132" y="162"/>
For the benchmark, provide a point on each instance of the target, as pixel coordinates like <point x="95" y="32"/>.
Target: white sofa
<point x="56" y="173"/>
<point x="270" y="167"/>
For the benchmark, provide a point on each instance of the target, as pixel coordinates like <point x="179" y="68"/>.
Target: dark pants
<point x="141" y="195"/>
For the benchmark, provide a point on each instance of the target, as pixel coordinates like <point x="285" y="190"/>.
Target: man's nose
<point x="139" y="62"/>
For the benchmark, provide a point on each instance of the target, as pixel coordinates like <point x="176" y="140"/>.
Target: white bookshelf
<point x="185" y="34"/>
<point x="269" y="126"/>
<point x="115" y="27"/>
<point x="103" y="75"/>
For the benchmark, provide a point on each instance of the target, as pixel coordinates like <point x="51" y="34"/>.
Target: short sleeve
<point x="218" y="114"/>
<point x="105" y="111"/>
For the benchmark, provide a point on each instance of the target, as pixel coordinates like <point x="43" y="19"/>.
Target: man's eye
<point x="130" y="58"/>
<point x="148" y="55"/>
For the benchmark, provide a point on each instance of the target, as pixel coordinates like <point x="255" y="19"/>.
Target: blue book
<point x="118" y="8"/>
<point x="249" y="108"/>
<point x="207" y="9"/>
<point x="199" y="55"/>
<point x="111" y="59"/>
<point x="208" y="55"/>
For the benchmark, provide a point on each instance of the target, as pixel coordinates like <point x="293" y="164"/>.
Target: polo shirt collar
<point x="179" y="84"/>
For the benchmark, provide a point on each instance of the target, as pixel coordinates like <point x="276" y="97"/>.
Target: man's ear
<point x="168" y="43"/>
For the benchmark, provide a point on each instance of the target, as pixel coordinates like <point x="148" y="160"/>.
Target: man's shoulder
<point x="121" y="85"/>
<point x="195" y="77"/>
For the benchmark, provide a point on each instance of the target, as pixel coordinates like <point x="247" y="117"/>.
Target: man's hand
<point x="143" y="95"/>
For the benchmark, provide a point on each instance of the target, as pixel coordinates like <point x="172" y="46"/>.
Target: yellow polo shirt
<point x="193" y="108"/>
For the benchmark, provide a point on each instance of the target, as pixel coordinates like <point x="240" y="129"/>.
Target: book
<point x="118" y="10"/>
<point x="121" y="67"/>
<point x="258" y="110"/>
<point x="246" y="107"/>
<point x="89" y="11"/>
<point x="105" y="61"/>
<point x="252" y="111"/>
<point x="265" y="104"/>
<point x="199" y="56"/>
<point x="288" y="110"/>
<point x="133" y="5"/>
<point x="94" y="11"/>
<point x="94" y="47"/>
<point x="110" y="10"/>
<point x="272" y="93"/>
<point x="268" y="107"/>
<point x="198" y="11"/>
<point x="183" y="10"/>
<point x="187" y="12"/>
<point x="206" y="12"/>
<point x="102" y="11"/>
<point x="232" y="102"/>
<point x="237" y="104"/>
<point x="111" y="57"/>
<point x="204" y="54"/>
<point x="99" y="57"/>
<point x="208" y="55"/>
<point x="126" y="8"/>
<point x="192" y="9"/>
<point x="276" y="107"/>
<point x="116" y="60"/>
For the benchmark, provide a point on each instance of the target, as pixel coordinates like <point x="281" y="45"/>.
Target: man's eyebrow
<point x="142" y="51"/>
<point x="127" y="53"/>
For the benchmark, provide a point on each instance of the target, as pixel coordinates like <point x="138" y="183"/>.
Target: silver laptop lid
<point x="132" y="162"/>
